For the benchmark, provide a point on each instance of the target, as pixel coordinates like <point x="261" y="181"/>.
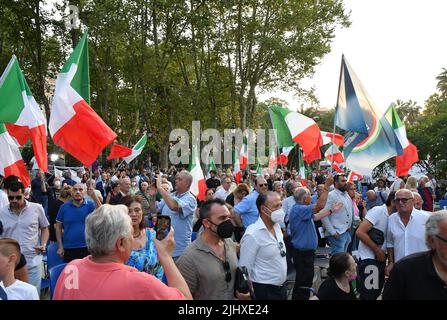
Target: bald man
<point x="406" y="229"/>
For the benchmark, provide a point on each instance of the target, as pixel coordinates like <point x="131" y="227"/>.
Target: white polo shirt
<point x="408" y="239"/>
<point x="261" y="254"/>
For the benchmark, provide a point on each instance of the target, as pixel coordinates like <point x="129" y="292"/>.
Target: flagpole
<point x="335" y="114"/>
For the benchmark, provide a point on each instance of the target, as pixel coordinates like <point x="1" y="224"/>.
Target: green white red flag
<point x="74" y="125"/>
<point x="21" y="113"/>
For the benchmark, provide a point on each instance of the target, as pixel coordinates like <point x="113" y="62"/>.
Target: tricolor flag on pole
<point x="272" y="160"/>
<point x="198" y="186"/>
<point x="283" y="158"/>
<point x="302" y="130"/>
<point x="211" y="166"/>
<point x="21" y="113"/>
<point x="328" y="136"/>
<point x="354" y="176"/>
<point x="405" y="161"/>
<point x="237" y="168"/>
<point x="126" y="153"/>
<point x="74" y="125"/>
<point x="11" y="162"/>
<point x="243" y="157"/>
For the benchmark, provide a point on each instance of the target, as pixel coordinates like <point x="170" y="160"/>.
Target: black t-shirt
<point x="329" y="290"/>
<point x="415" y="278"/>
<point x="230" y="199"/>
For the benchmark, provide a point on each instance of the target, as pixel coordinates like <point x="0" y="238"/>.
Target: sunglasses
<point x="226" y="267"/>
<point x="15" y="197"/>
<point x="263" y="184"/>
<point x="441" y="238"/>
<point x="403" y="200"/>
<point x="281" y="249"/>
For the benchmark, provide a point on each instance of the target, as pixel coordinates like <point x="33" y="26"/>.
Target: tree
<point x="442" y="82"/>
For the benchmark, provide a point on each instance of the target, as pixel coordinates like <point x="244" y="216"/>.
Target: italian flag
<point x="198" y="186"/>
<point x="21" y="113"/>
<point x="328" y="137"/>
<point x="283" y="158"/>
<point x="211" y="166"/>
<point x="405" y="161"/>
<point x="302" y="168"/>
<point x="302" y="130"/>
<point x="126" y="153"/>
<point x="333" y="154"/>
<point x="11" y="162"/>
<point x="237" y="169"/>
<point x="74" y="125"/>
<point x="272" y="160"/>
<point x="243" y="156"/>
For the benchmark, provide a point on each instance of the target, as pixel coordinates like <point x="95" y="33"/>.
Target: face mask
<point x="277" y="216"/>
<point x="353" y="276"/>
<point x="224" y="229"/>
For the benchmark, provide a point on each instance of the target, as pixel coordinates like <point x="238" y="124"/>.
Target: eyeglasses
<point x="281" y="249"/>
<point x="226" y="267"/>
<point x="15" y="197"/>
<point x="441" y="238"/>
<point x="263" y="184"/>
<point x="403" y="200"/>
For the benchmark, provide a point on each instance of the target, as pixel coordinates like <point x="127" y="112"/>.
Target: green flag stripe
<point x="81" y="80"/>
<point x="141" y="143"/>
<point x="12" y="83"/>
<point x="2" y="128"/>
<point x="277" y="116"/>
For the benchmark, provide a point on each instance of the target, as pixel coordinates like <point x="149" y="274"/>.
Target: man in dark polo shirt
<point x="423" y="275"/>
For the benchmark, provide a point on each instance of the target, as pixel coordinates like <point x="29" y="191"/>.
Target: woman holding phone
<point x="144" y="254"/>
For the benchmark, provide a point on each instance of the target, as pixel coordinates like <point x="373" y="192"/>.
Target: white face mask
<point x="277" y="216"/>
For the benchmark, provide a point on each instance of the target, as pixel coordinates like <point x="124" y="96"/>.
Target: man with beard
<point x="337" y="225"/>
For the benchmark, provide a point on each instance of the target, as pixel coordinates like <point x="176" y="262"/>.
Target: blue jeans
<point x="341" y="244"/>
<point x="35" y="276"/>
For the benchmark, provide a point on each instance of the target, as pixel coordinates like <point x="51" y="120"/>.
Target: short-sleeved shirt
<point x="181" y="220"/>
<point x="341" y="220"/>
<point x="247" y="209"/>
<point x="302" y="227"/>
<point x="110" y="281"/>
<point x="25" y="228"/>
<point x="20" y="290"/>
<point x="204" y="272"/>
<point x="73" y="221"/>
<point x="409" y="239"/>
<point x="145" y="259"/>
<point x="378" y="217"/>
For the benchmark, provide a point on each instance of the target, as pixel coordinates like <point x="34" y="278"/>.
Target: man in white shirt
<point x="406" y="229"/>
<point x="11" y="288"/>
<point x="372" y="253"/>
<point x="223" y="192"/>
<point x="263" y="251"/>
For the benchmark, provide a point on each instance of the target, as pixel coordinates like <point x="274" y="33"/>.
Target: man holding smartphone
<point x="180" y="207"/>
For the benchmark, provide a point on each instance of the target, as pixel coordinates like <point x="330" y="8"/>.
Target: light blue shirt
<point x="181" y="220"/>
<point x="247" y="209"/>
<point x="341" y="220"/>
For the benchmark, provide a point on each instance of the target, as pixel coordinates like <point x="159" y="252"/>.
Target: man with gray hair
<point x="104" y="275"/>
<point x="423" y="275"/>
<point x="124" y="191"/>
<point x="180" y="206"/>
<point x="304" y="235"/>
<point x="405" y="231"/>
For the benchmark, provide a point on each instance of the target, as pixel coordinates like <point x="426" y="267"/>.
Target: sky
<point x="396" y="48"/>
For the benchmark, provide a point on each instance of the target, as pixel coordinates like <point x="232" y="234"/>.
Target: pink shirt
<point x="84" y="279"/>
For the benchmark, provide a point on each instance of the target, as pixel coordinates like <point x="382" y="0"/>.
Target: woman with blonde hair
<point x="412" y="184"/>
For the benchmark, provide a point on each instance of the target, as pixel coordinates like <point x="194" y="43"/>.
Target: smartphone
<point x="163" y="226"/>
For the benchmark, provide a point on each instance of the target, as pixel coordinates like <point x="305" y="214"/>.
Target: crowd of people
<point x="241" y="242"/>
